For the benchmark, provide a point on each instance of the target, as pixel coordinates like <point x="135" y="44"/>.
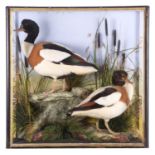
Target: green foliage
<point x="61" y="131"/>
<point x="22" y="109"/>
<point x="70" y="130"/>
<point x="24" y="113"/>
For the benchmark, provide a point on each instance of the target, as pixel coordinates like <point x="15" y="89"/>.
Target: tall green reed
<point x="114" y="57"/>
<point x="23" y="113"/>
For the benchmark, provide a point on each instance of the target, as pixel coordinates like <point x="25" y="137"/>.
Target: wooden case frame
<point x="10" y="143"/>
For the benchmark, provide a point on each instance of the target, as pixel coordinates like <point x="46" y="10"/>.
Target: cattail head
<point x="26" y="62"/>
<point x="98" y="40"/>
<point x="106" y="27"/>
<point x="114" y="37"/>
<point x="118" y="47"/>
<point x="123" y="58"/>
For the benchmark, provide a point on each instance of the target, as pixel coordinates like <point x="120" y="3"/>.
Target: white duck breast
<point x="130" y="89"/>
<point x="27" y="48"/>
<point x="54" y="55"/>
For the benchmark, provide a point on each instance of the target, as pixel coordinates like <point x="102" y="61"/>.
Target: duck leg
<point x="98" y="127"/>
<point x="108" y="128"/>
<point x="66" y="86"/>
<point x="53" y="89"/>
<point x="54" y="86"/>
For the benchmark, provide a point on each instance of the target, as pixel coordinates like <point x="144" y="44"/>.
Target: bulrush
<point x="106" y="27"/>
<point x="26" y="62"/>
<point x="98" y="40"/>
<point x="114" y="37"/>
<point x="118" y="47"/>
<point x="123" y="60"/>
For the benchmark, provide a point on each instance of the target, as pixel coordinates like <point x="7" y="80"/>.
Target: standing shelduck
<point x="50" y="59"/>
<point x="107" y="102"/>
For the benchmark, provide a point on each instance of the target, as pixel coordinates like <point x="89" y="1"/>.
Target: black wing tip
<point x="95" y="66"/>
<point x="86" y="63"/>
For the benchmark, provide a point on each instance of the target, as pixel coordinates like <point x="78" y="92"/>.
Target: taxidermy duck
<point x="51" y="59"/>
<point x="107" y="102"/>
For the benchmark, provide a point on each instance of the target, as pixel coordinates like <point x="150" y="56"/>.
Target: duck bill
<point x="21" y="29"/>
<point x="128" y="81"/>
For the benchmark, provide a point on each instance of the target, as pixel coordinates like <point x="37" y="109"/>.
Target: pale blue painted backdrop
<point x="76" y="29"/>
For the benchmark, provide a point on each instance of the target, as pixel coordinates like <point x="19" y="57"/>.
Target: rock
<point x="81" y="92"/>
<point x="53" y="107"/>
<point x="42" y="97"/>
